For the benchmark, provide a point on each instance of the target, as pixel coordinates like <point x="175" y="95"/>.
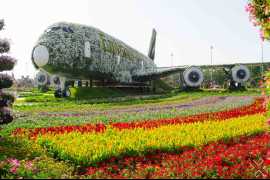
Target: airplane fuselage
<point x="83" y="52"/>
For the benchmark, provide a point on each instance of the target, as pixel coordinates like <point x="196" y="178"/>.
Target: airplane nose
<point x="40" y="55"/>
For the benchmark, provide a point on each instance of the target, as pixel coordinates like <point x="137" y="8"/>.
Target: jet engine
<point x="60" y="84"/>
<point x="42" y="78"/>
<point x="240" y="73"/>
<point x="193" y="77"/>
<point x="55" y="81"/>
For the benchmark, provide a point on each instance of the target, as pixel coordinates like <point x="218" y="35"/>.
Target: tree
<point x="259" y="15"/>
<point x="7" y="63"/>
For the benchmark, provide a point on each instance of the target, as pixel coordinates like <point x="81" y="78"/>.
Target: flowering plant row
<point x="256" y="107"/>
<point x="238" y="158"/>
<point x="90" y="148"/>
<point x="118" y="115"/>
<point x="131" y="113"/>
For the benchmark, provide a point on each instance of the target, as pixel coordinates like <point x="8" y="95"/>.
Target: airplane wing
<point x="165" y="71"/>
<point x="232" y="65"/>
<point x="160" y="72"/>
<point x="252" y="67"/>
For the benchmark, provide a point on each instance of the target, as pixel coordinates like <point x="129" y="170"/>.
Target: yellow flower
<point x="93" y="147"/>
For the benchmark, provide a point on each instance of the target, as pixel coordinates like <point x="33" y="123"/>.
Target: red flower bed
<point x="60" y="130"/>
<point x="257" y="107"/>
<point x="238" y="158"/>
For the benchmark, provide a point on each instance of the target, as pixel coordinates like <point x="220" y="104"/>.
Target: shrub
<point x="5" y="115"/>
<point x="259" y="13"/>
<point x="4" y="46"/>
<point x="1" y="24"/>
<point x="6" y="99"/>
<point x="6" y="63"/>
<point x="6" y="81"/>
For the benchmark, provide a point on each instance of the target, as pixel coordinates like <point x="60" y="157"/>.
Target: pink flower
<point x="248" y="7"/>
<point x="14" y="162"/>
<point x="262" y="35"/>
<point x="13" y="169"/>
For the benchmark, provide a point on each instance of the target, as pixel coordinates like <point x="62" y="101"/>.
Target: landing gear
<point x="58" y="93"/>
<point x="234" y="86"/>
<point x="65" y="93"/>
<point x="62" y="90"/>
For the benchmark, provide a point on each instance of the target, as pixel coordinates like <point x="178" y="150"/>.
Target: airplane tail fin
<point x="151" y="52"/>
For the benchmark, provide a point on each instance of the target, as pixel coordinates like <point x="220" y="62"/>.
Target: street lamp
<point x="26" y="68"/>
<point x="171" y="59"/>
<point x="211" y="54"/>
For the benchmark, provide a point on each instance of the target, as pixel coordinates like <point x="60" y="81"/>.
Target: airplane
<point x="70" y="51"/>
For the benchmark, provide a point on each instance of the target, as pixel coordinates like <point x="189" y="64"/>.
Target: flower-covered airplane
<point x="74" y="51"/>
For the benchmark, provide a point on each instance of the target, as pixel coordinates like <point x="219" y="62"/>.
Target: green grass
<point x="107" y="98"/>
<point x="98" y="92"/>
<point x="76" y="94"/>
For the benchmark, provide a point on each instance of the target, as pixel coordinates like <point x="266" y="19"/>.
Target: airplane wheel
<point x="79" y="83"/>
<point x="66" y="93"/>
<point x="58" y="94"/>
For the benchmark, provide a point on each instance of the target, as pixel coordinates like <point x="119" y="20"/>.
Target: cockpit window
<point x="53" y="29"/>
<point x="67" y="29"/>
<point x="56" y="28"/>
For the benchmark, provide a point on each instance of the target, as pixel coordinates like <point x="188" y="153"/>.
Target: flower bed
<point x="34" y="120"/>
<point x="236" y="158"/>
<point x="206" y="104"/>
<point x="89" y="148"/>
<point x="164" y="147"/>
<point x="256" y="107"/>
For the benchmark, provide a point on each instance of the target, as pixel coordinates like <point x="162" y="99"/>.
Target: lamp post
<point x="211" y="54"/>
<point x="26" y="69"/>
<point x="171" y="59"/>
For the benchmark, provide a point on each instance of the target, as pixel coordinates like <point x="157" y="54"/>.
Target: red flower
<point x="267" y="161"/>
<point x="197" y="162"/>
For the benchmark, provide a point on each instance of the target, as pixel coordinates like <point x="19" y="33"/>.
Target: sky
<point x="185" y="29"/>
